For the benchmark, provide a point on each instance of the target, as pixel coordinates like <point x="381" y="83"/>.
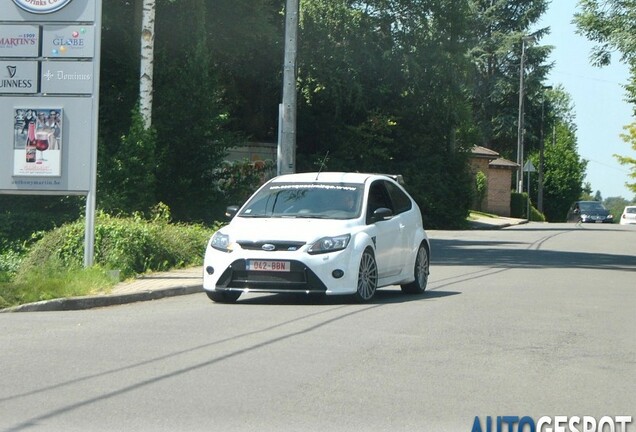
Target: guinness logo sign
<point x="41" y="6"/>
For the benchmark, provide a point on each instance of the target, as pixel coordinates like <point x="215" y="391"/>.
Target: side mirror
<point x="382" y="214"/>
<point x="231" y="211"/>
<point x="576" y="211"/>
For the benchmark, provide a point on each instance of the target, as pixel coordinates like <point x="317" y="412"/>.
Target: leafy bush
<point x="481" y="188"/>
<point x="518" y="204"/>
<point x="536" y="215"/>
<point x="519" y="208"/>
<point x="9" y="263"/>
<point x="22" y="215"/>
<point x="132" y="245"/>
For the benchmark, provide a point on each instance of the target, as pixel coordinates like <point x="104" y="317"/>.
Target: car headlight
<point x="329" y="244"/>
<point x="220" y="242"/>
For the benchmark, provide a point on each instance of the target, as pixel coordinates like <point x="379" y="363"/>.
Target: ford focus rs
<point x="320" y="233"/>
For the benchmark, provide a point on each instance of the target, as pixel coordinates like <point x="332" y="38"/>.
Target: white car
<point x="629" y="215"/>
<point x="320" y="233"/>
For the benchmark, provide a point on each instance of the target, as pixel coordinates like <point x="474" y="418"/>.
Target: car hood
<point x="288" y="229"/>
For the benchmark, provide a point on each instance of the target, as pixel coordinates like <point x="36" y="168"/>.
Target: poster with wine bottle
<point x="37" y="142"/>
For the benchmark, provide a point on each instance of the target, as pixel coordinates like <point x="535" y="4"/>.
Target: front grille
<point x="278" y="245"/>
<point x="299" y="278"/>
<point x="269" y="277"/>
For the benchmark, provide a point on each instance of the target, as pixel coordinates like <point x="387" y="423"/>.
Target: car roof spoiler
<point x="397" y="177"/>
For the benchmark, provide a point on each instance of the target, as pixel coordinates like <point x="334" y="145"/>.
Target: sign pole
<point x="89" y="229"/>
<point x="528" y="167"/>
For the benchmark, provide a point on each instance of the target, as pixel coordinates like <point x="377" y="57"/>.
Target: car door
<point x="387" y="233"/>
<point x="406" y="223"/>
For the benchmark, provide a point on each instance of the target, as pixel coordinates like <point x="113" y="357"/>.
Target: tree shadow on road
<point x="486" y="253"/>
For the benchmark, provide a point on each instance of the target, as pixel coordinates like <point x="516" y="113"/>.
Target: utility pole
<point x="520" y="125"/>
<point x="520" y="119"/>
<point x="287" y="111"/>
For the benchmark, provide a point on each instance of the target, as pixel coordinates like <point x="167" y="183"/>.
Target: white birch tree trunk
<point x="147" y="61"/>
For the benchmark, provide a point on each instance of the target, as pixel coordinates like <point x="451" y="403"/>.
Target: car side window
<point x="378" y="197"/>
<point x="401" y="201"/>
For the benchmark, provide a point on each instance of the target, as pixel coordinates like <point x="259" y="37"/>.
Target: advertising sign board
<point x="49" y="88"/>
<point x="19" y="40"/>
<point x="18" y="77"/>
<point x="49" y="100"/>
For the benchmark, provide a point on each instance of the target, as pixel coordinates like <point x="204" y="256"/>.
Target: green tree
<point x="616" y="205"/>
<point x="213" y="74"/>
<point x="128" y="183"/>
<point x="612" y="25"/>
<point x="189" y="112"/>
<point x="564" y="174"/>
<point x="497" y="30"/>
<point x="245" y="41"/>
<point x="630" y="138"/>
<point x="383" y="88"/>
<point x="564" y="169"/>
<point x="598" y="196"/>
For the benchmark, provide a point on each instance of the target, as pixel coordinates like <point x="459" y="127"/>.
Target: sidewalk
<point x="483" y="222"/>
<point x="180" y="282"/>
<point x="147" y="287"/>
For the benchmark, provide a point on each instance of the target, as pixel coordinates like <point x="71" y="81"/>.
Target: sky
<point x="598" y="97"/>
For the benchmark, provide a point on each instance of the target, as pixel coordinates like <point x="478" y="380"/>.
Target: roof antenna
<point x="322" y="164"/>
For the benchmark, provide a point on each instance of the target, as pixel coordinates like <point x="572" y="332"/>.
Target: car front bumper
<point x="328" y="273"/>
<point x="596" y="219"/>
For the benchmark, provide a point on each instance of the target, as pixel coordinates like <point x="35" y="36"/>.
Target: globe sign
<point x="41" y="6"/>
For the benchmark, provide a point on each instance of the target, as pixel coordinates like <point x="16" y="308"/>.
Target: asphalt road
<point x="534" y="320"/>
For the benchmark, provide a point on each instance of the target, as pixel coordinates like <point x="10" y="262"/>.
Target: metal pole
<point x="287" y="142"/>
<point x="540" y="178"/>
<point x="89" y="229"/>
<point x="520" y="120"/>
<point x="528" y="198"/>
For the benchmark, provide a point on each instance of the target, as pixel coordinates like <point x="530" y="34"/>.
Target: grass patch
<point x="52" y="280"/>
<point x="477" y="214"/>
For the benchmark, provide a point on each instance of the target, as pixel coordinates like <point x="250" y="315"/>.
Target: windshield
<point x="591" y="206"/>
<point x="308" y="200"/>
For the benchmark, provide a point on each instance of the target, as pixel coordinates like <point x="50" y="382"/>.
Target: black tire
<point x="367" y="277"/>
<point x="223" y="296"/>
<point x="420" y="272"/>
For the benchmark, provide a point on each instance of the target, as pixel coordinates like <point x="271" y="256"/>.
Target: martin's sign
<point x="41" y="6"/>
<point x="19" y="40"/>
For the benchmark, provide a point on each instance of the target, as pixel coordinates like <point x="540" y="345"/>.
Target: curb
<point x="82" y="303"/>
<point x="477" y="225"/>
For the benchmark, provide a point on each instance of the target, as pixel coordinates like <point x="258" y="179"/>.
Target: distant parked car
<point x="320" y="233"/>
<point x="589" y="211"/>
<point x="629" y="215"/>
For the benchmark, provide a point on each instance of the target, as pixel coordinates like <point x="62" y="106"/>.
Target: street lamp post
<point x="520" y="125"/>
